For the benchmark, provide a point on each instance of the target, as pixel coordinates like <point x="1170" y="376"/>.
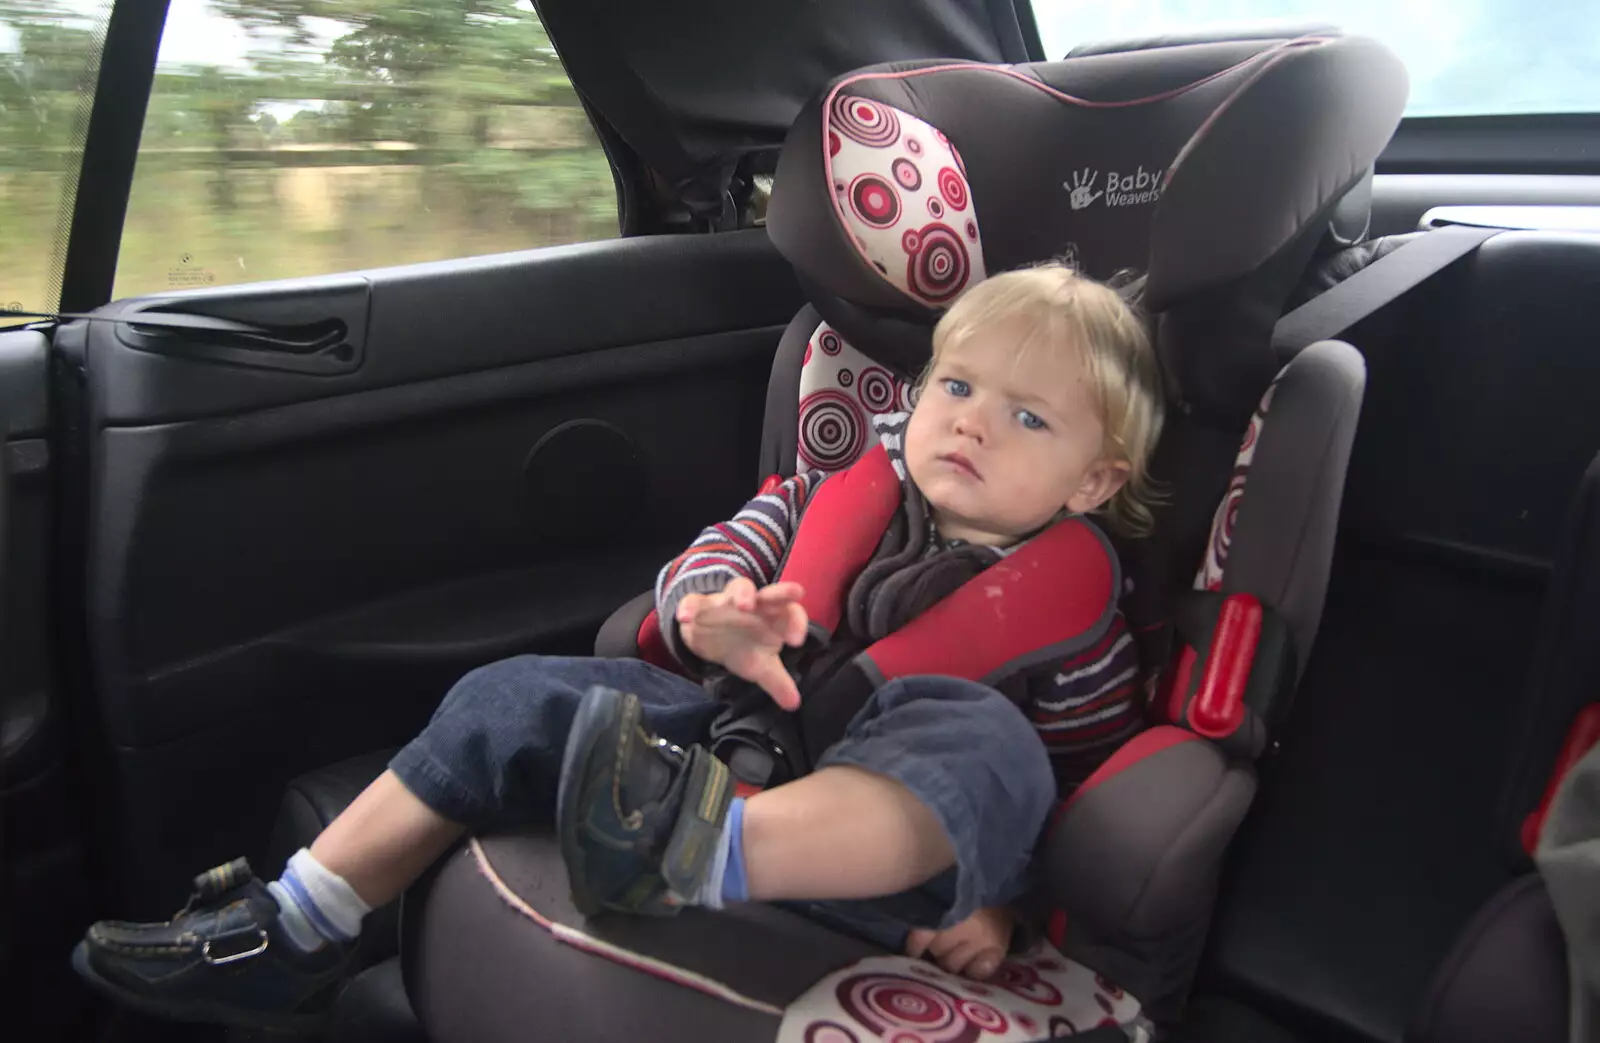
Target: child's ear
<point x="1100" y="483"/>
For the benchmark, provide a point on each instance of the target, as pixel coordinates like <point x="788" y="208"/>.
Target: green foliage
<point x="474" y="138"/>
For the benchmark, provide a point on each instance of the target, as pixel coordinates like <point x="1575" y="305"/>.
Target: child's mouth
<point x="961" y="463"/>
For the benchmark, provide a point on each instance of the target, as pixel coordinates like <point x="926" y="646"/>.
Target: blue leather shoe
<point x="222" y="959"/>
<point x="638" y="817"/>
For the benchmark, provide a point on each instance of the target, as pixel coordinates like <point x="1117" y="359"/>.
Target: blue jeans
<point x="491" y="757"/>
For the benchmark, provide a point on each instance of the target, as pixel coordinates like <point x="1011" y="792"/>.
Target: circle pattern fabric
<point x="889" y="169"/>
<point x="902" y="1000"/>
<point x="841" y="390"/>
<point x="1222" y="523"/>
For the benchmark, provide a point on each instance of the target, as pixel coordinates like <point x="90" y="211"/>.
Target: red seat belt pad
<point x="1050" y="599"/>
<point x="1217" y="709"/>
<point x="653" y="645"/>
<point x="1582" y="737"/>
<point x="844" y="522"/>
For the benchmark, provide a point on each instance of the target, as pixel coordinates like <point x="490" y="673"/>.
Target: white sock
<point x="315" y="904"/>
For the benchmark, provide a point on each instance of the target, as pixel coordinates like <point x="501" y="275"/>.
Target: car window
<point x="302" y="137"/>
<point x="49" y="58"/>
<point x="1466" y="57"/>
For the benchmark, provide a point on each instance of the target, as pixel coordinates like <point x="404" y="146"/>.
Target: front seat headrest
<point x="905" y="183"/>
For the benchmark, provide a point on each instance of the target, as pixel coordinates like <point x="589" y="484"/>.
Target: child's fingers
<point x="984" y="965"/>
<point x="787" y="620"/>
<point x="689" y="607"/>
<point x="795" y="625"/>
<point x="725" y="614"/>
<point x="960" y="956"/>
<point x="917" y="941"/>
<point x="741" y="593"/>
<point x="781" y="593"/>
<point x="769" y="674"/>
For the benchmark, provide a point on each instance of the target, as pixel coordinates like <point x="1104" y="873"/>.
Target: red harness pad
<point x="1046" y="601"/>
<point x="844" y="523"/>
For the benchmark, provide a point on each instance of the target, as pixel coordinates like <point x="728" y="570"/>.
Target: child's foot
<point x="224" y="958"/>
<point x="639" y="818"/>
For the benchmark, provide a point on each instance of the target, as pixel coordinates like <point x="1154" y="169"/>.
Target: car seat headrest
<point x="902" y="184"/>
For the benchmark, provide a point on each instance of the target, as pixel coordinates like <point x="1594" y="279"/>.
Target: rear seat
<point x="1477" y="425"/>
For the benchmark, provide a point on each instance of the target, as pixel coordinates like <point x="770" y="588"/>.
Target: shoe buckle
<point x="218" y="961"/>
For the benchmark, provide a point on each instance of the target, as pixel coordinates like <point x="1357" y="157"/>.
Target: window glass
<point x="303" y="137"/>
<point x="1466" y="57"/>
<point x="49" y="57"/>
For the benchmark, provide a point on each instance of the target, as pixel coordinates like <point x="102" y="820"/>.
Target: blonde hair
<point x="1061" y="309"/>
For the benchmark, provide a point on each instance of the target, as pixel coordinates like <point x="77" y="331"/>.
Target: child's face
<point x="999" y="443"/>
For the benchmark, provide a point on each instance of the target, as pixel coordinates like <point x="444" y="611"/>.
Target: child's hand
<point x="974" y="947"/>
<point x="744" y="629"/>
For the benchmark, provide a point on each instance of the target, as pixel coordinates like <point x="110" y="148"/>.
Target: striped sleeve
<point x="1089" y="705"/>
<point x="751" y="544"/>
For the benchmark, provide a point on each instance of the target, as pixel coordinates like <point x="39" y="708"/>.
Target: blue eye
<point x="958" y="388"/>
<point x="1031" y="421"/>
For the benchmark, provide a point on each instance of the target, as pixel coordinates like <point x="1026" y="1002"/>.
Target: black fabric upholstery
<point x="780" y="428"/>
<point x="374" y="1009"/>
<point x="1211" y="1018"/>
<point x="1566" y="667"/>
<point x="1506" y="979"/>
<point x="619" y="635"/>
<point x="481" y="971"/>
<point x="732" y="86"/>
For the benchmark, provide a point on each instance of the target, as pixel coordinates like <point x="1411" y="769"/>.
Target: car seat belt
<point x="1386" y="279"/>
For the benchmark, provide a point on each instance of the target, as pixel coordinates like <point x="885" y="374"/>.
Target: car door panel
<point x="30" y="743"/>
<point x="448" y="319"/>
<point x="289" y="568"/>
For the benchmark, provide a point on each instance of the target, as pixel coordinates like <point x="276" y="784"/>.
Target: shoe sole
<point x="202" y="1011"/>
<point x="596" y="718"/>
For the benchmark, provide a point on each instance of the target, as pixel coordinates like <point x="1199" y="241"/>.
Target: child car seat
<point x="1218" y="168"/>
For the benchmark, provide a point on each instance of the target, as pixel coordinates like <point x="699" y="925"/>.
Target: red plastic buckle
<point x="1218" y="706"/>
<point x="1582" y="737"/>
<point x="770" y="484"/>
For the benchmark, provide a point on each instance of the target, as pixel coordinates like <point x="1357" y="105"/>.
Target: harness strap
<point x="843" y="524"/>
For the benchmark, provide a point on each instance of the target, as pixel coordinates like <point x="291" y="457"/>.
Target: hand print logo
<point x="1082" y="188"/>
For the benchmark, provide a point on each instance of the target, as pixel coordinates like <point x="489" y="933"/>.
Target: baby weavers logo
<point x="1135" y="189"/>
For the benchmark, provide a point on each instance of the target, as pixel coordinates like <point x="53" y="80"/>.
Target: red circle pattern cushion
<point x="1216" y="559"/>
<point x="901" y="193"/>
<point x="841" y="390"/>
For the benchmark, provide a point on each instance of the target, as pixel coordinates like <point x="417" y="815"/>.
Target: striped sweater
<point x="1082" y="709"/>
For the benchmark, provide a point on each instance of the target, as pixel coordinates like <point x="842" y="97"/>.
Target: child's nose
<point x="970" y="424"/>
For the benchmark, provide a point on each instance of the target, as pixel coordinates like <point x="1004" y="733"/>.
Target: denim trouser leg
<point x="491" y="756"/>
<point x="969" y="754"/>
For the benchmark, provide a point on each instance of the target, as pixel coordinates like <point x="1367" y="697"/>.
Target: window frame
<point x="126" y="75"/>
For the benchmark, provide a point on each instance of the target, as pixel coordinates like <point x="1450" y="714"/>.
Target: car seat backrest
<point x="1216" y="168"/>
<point x="1201" y="165"/>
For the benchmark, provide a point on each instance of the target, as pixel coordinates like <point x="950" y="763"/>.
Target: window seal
<point x="110" y="151"/>
<point x="1535" y="143"/>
